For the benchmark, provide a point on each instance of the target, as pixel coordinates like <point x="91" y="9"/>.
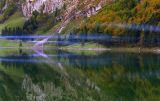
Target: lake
<point x="65" y="76"/>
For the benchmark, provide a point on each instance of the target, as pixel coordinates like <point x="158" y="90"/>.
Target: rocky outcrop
<point x="46" y="6"/>
<point x="71" y="9"/>
<point x="49" y="6"/>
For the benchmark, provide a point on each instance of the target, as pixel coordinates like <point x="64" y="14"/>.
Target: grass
<point x="87" y="49"/>
<point x="53" y="29"/>
<point x="12" y="46"/>
<point x="86" y="46"/>
<point x="73" y="24"/>
<point x="16" y="20"/>
<point x="94" y="48"/>
<point x="13" y="43"/>
<point x="8" y="47"/>
<point x="135" y="49"/>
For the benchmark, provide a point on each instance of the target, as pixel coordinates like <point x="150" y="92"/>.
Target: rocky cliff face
<point x="49" y="6"/>
<point x="46" y="6"/>
<point x="71" y="9"/>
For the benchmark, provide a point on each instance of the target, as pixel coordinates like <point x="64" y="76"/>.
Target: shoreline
<point x="115" y="49"/>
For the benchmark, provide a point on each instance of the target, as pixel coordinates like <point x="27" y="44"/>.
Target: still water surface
<point x="65" y="76"/>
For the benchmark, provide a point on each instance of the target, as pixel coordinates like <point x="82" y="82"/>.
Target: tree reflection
<point x="128" y="76"/>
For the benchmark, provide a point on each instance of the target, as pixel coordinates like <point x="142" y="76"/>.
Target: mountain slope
<point x="82" y="13"/>
<point x="16" y="20"/>
<point x="53" y="11"/>
<point x="124" y="11"/>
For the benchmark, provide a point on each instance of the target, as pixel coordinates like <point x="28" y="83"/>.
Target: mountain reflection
<point x="83" y="77"/>
<point x="15" y="60"/>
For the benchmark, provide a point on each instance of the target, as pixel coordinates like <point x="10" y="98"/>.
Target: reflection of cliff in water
<point x="41" y="81"/>
<point x="127" y="60"/>
<point x="9" y="88"/>
<point x="68" y="89"/>
<point x="89" y="77"/>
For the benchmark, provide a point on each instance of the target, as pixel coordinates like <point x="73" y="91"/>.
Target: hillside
<point x="47" y="12"/>
<point x="125" y="12"/>
<point x="138" y="19"/>
<point x="134" y="21"/>
<point x="16" y="20"/>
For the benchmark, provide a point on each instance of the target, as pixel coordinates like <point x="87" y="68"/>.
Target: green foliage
<point x="16" y="20"/>
<point x="10" y="10"/>
<point x="127" y="4"/>
<point x="42" y="21"/>
<point x="2" y="4"/>
<point x="30" y="25"/>
<point x="122" y="12"/>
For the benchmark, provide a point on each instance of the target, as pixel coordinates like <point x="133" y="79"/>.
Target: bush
<point x="2" y="4"/>
<point x="11" y="9"/>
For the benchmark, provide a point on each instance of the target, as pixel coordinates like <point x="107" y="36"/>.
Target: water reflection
<point x="79" y="77"/>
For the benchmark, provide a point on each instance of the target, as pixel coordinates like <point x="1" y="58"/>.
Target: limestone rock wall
<point x="47" y="6"/>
